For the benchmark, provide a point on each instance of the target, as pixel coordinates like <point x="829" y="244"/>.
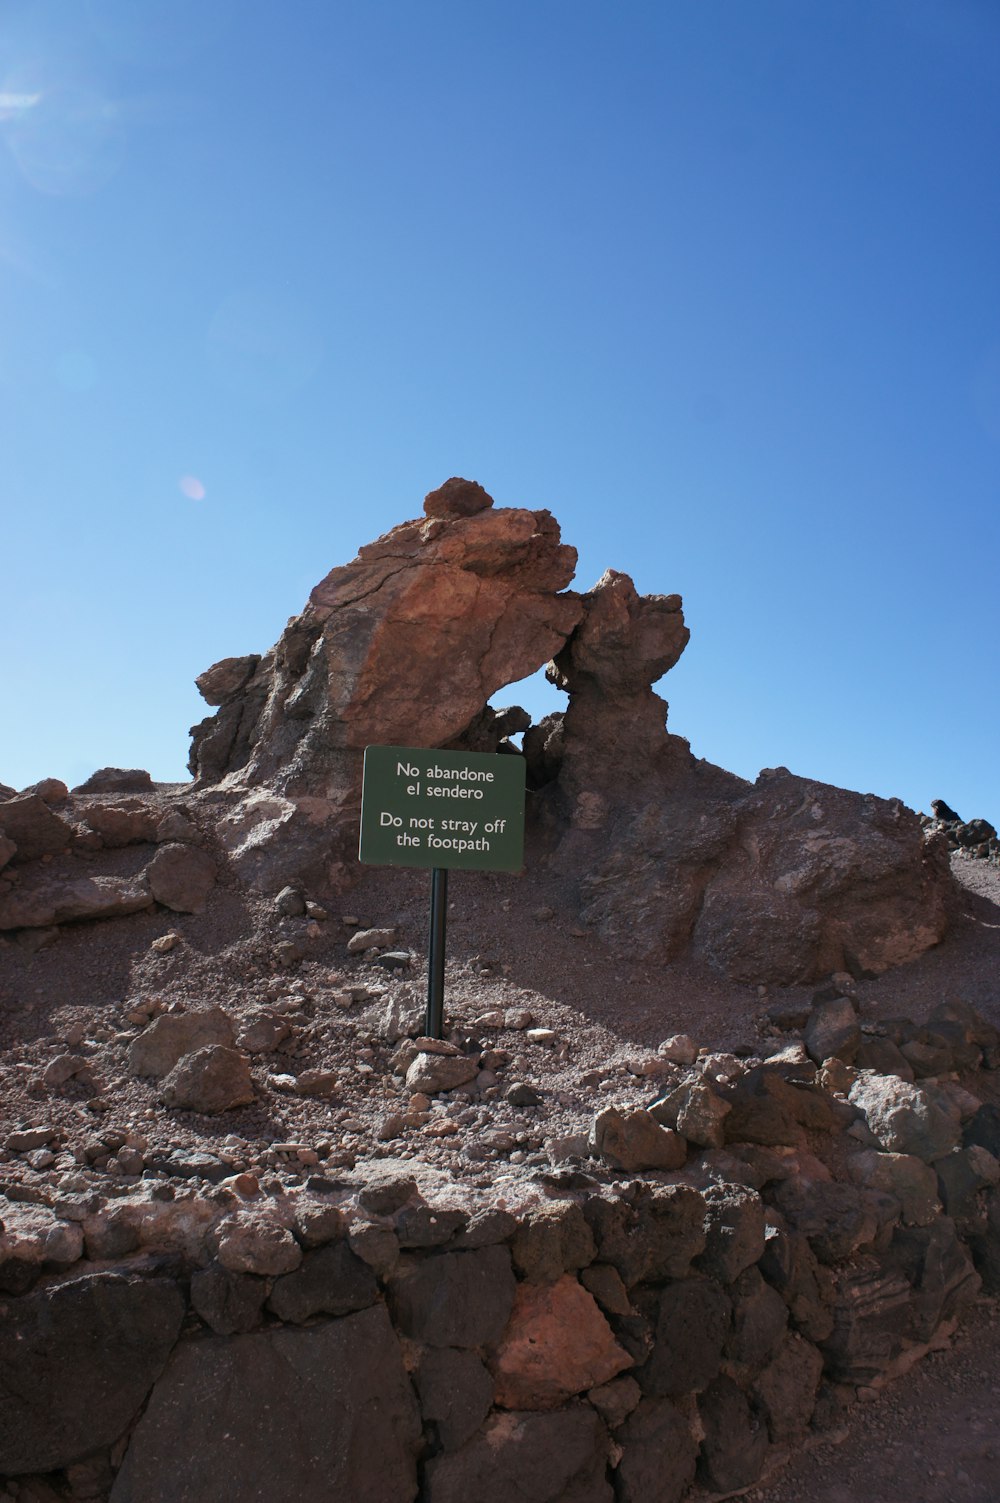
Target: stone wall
<point x="619" y="1335"/>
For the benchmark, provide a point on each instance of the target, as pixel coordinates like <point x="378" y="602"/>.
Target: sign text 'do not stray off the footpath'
<point x="442" y="809"/>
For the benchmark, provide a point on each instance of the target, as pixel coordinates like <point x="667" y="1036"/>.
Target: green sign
<point x="443" y="809"/>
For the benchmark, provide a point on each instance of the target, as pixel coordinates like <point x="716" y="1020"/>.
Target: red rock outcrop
<point x="403" y="646"/>
<point x="783" y="880"/>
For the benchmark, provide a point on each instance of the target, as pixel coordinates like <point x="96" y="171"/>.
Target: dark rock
<point x="658" y="1464"/>
<point x="454" y="1299"/>
<point x="735" y="1443"/>
<point x="559" y="1457"/>
<point x="940" y="1272"/>
<point x="788" y="1015"/>
<point x="34" y="829"/>
<point x="76" y="1362"/>
<point x="692" y="1324"/>
<point x="382" y="1194"/>
<point x="229" y="1303"/>
<point x="871" y="1320"/>
<point x="181" y="877"/>
<point x="226" y="678"/>
<point x="552" y="1240"/>
<point x="656" y="1238"/>
<point x="944" y="811"/>
<point x="486" y="1229"/>
<point x="984" y="1129"/>
<point x="169" y="1037"/>
<point x="832" y="1031"/>
<point x="791" y="1267"/>
<point x="985" y="1245"/>
<point x="456" y="1392"/>
<point x="734" y="1231"/>
<point x="605" y="1284"/>
<point x="117" y="780"/>
<point x="330" y="1281"/>
<point x="212" y="1080"/>
<point x="884" y="1057"/>
<point x="282" y="1414"/>
<point x="962" y="1177"/>
<point x="785" y="1392"/>
<point x="836" y="1219"/>
<point x="976" y="1028"/>
<point x="457" y="498"/>
<point x="428" y="1226"/>
<point x="760" y="1319"/>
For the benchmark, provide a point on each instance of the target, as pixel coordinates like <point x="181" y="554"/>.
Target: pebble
<point x="541" y="1035"/>
<point x="165" y="943"/>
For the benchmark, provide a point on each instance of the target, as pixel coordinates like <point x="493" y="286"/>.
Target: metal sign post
<point x="435" y="952"/>
<point x="441" y="809"/>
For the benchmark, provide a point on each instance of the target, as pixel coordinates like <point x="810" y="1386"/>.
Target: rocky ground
<point x="311" y="1020"/>
<point x="556" y="1026"/>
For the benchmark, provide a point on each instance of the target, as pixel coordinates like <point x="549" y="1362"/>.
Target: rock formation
<point x="783" y="880"/>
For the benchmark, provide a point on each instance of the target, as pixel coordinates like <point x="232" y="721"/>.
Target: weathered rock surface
<point x="659" y="1461"/>
<point x="783" y="880"/>
<point x="458" y="1299"/>
<point x="38" y="902"/>
<point x="557" y="1343"/>
<point x="212" y="1079"/>
<point x="537" y="1458"/>
<point x="906" y="1118"/>
<point x="29" y="822"/>
<point x="634" y="1140"/>
<point x="172" y="1035"/>
<point x="283" y="1415"/>
<point x="456" y="1392"/>
<point x="76" y="1362"/>
<point x="181" y="877"/>
<point x="468" y="602"/>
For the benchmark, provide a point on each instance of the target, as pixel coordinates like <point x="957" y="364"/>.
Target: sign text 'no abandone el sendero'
<point x="442" y="809"/>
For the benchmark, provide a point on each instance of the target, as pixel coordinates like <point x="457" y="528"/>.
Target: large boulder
<point x="323" y="1412"/>
<point x="535" y="1458"/>
<point x="76" y="1362"/>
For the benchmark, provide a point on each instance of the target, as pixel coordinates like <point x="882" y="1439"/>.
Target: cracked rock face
<point x="778" y="881"/>
<point x="402" y="646"/>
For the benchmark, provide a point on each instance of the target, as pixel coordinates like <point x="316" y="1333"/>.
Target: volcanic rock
<point x="76" y="1362"/>
<point x="557" y="1343"/>
<point x="39" y="902"/>
<point x="181" y="877"/>
<point x="34" y="829"/>
<point x="213" y="1079"/>
<point x="634" y="1140"/>
<point x="172" y="1035"/>
<point x="403" y="646"/>
<point x="456" y="1393"/>
<point x="547" y="1458"/>
<point x="281" y="1414"/>
<point x="906" y="1118"/>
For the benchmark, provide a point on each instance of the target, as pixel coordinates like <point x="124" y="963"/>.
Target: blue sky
<point x="716" y="282"/>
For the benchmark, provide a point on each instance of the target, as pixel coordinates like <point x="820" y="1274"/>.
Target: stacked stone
<point x="972" y="837"/>
<point x="368" y="1339"/>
